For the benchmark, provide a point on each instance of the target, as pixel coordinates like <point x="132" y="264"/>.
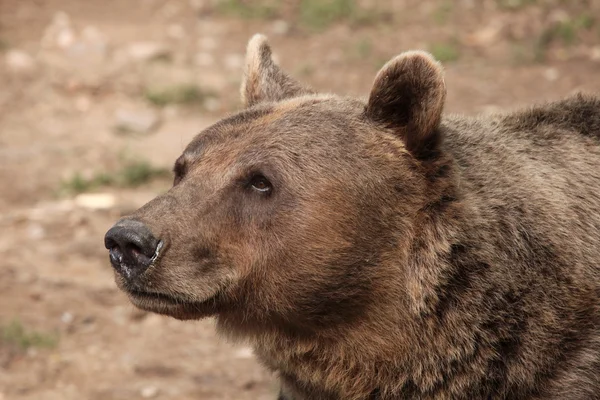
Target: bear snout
<point x="132" y="247"/>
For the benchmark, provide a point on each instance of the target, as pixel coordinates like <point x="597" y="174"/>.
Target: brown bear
<point x="381" y="250"/>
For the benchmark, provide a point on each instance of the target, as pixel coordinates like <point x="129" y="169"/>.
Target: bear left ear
<point x="263" y="79"/>
<point x="408" y="97"/>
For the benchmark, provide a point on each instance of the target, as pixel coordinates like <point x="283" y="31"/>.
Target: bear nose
<point x="132" y="247"/>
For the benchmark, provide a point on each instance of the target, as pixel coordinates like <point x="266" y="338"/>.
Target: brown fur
<point x="400" y="254"/>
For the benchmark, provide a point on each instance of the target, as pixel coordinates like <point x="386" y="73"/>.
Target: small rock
<point x="83" y="103"/>
<point x="95" y="201"/>
<point x="207" y="43"/>
<point x="175" y="31"/>
<point x="212" y="104"/>
<point x="140" y="121"/>
<point x="149" y="392"/>
<point x="65" y="38"/>
<point x="233" y="61"/>
<point x="67" y="318"/>
<point x="93" y="41"/>
<point x="143" y="51"/>
<point x="204" y="59"/>
<point x="558" y="16"/>
<point x="280" y="27"/>
<point x="244" y="353"/>
<point x="551" y="74"/>
<point x="595" y="53"/>
<point x="19" y="62"/>
<point x="485" y="36"/>
<point x="59" y="33"/>
<point x="36" y="231"/>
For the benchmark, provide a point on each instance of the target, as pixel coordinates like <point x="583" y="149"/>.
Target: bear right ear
<point x="408" y="97"/>
<point x="263" y="79"/>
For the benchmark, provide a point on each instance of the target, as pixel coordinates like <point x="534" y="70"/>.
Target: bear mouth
<point x="152" y="296"/>
<point x="179" y="308"/>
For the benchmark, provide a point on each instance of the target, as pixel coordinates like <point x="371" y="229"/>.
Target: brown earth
<point x="67" y="70"/>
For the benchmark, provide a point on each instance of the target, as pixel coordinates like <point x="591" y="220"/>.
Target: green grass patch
<point x="318" y="15"/>
<point x="16" y="335"/>
<point x="364" y="48"/>
<point x="584" y="22"/>
<point x="132" y="174"/>
<point x="565" y="32"/>
<point x="184" y="94"/>
<point x="262" y="9"/>
<point x="305" y="70"/>
<point x="445" y="52"/>
<point x="443" y="12"/>
<point x="514" y="4"/>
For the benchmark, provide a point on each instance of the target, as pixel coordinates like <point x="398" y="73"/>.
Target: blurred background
<point x="98" y="98"/>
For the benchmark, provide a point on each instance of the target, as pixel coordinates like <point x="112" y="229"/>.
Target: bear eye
<point x="261" y="184"/>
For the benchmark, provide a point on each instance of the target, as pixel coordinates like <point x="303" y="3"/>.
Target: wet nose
<point x="132" y="247"/>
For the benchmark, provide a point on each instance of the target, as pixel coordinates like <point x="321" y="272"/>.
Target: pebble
<point x="36" y="231"/>
<point x="244" y="353"/>
<point x="149" y="392"/>
<point x="551" y="74"/>
<point x="96" y="201"/>
<point x="207" y="43"/>
<point x="19" y="62"/>
<point x="59" y="33"/>
<point x="204" y="60"/>
<point x="67" y="317"/>
<point x="136" y="121"/>
<point x="83" y="103"/>
<point x="595" y="53"/>
<point x="65" y="38"/>
<point x="234" y="61"/>
<point x="485" y="36"/>
<point x="144" y="51"/>
<point x="280" y="27"/>
<point x="175" y="31"/>
<point x="212" y="104"/>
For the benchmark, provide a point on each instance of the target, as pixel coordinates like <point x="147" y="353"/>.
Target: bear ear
<point x="408" y="97"/>
<point x="263" y="79"/>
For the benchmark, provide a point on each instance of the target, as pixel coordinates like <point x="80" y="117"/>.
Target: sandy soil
<point x="70" y="69"/>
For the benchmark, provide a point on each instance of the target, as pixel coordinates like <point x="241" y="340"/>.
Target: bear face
<point x="286" y="211"/>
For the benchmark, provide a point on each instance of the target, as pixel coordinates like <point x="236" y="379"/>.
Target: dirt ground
<point x="91" y="90"/>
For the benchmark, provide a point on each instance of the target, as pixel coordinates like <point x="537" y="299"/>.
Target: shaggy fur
<point x="395" y="253"/>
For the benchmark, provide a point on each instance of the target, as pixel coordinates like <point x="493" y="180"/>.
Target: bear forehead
<point x="296" y="123"/>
